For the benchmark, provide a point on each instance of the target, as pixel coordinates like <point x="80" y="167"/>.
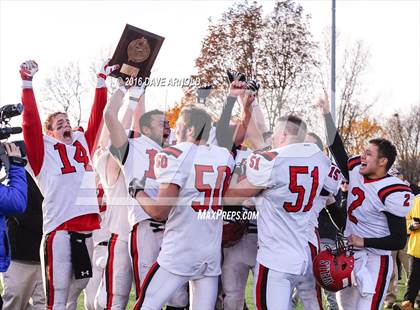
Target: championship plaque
<point x="135" y="53"/>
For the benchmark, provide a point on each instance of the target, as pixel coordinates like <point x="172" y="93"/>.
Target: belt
<point x="80" y="235"/>
<point x="252" y="229"/>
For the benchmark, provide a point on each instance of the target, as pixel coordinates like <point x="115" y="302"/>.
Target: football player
<point x="377" y="204"/>
<point x="307" y="287"/>
<point x="239" y="248"/>
<point x="136" y="155"/>
<point x="60" y="160"/>
<point x="286" y="181"/>
<point x="192" y="177"/>
<point x="116" y="281"/>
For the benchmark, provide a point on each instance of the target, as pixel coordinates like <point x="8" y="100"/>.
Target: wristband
<point x="101" y="82"/>
<point x="26" y="84"/>
<point x="101" y="75"/>
<point x="17" y="161"/>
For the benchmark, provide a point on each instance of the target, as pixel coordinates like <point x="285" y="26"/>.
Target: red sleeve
<point x="96" y="117"/>
<point x="32" y="130"/>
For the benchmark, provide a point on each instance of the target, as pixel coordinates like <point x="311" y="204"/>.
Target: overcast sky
<point x="55" y="32"/>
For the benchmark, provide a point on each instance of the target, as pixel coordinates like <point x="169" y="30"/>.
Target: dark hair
<point x="318" y="140"/>
<point x="295" y="126"/>
<point x="199" y="119"/>
<point x="146" y="118"/>
<point x="385" y="149"/>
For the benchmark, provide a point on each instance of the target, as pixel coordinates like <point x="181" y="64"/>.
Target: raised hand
<point x="237" y="88"/>
<point x="28" y="69"/>
<point x="106" y="70"/>
<point x="203" y="92"/>
<point x="253" y="86"/>
<point x="103" y="73"/>
<point x="236" y="76"/>
<point x="323" y="105"/>
<point x="134" y="94"/>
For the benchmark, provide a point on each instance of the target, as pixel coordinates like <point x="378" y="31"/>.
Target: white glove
<point x="135" y="93"/>
<point x="104" y="72"/>
<point x="27" y="71"/>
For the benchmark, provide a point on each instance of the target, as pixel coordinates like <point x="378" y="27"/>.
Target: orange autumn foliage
<point x="359" y="132"/>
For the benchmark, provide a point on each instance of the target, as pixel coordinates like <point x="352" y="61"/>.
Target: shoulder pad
<point x="393" y="188"/>
<point x="353" y="162"/>
<point x="172" y="151"/>
<point x="268" y="155"/>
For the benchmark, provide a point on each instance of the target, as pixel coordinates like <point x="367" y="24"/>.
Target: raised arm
<point x="112" y="165"/>
<point x="224" y="133"/>
<point x="129" y="118"/>
<point x="334" y="141"/>
<point x="99" y="102"/>
<point x="31" y="122"/>
<point x="137" y="113"/>
<point x="119" y="139"/>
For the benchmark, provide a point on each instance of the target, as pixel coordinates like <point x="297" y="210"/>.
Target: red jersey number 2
<point x="360" y="197"/>
<point x="80" y="155"/>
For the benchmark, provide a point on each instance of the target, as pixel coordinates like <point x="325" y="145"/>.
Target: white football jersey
<point x="117" y="199"/>
<point x="368" y="199"/>
<point x="192" y="246"/>
<point x="239" y="173"/>
<point x="293" y="177"/>
<point x="67" y="181"/>
<point x="139" y="163"/>
<point x="334" y="180"/>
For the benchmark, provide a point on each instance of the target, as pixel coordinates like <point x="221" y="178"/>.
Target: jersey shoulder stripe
<point x="172" y="151"/>
<point x="393" y="188"/>
<point x="353" y="162"/>
<point x="268" y="155"/>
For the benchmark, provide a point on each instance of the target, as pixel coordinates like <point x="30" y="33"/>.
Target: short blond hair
<point x="50" y="119"/>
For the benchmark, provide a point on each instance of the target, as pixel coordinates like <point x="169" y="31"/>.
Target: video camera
<point x="7" y="112"/>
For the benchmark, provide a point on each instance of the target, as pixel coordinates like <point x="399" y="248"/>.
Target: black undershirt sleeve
<point x="120" y="153"/>
<point x="395" y="240"/>
<point x="336" y="145"/>
<point x="224" y="134"/>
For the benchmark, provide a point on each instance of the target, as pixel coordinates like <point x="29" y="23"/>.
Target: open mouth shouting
<point x="67" y="134"/>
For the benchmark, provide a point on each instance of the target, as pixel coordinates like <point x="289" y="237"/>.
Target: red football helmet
<point x="333" y="266"/>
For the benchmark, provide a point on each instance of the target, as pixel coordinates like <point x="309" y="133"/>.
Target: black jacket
<point x="25" y="230"/>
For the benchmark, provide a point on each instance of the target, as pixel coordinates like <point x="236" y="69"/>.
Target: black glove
<point x="136" y="185"/>
<point x="253" y="86"/>
<point x="203" y="92"/>
<point x="234" y="75"/>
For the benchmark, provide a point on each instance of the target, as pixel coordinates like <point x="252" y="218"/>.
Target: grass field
<point x="249" y="298"/>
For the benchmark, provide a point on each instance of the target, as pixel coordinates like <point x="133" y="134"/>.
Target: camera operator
<point x="22" y="282"/>
<point x="13" y="198"/>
